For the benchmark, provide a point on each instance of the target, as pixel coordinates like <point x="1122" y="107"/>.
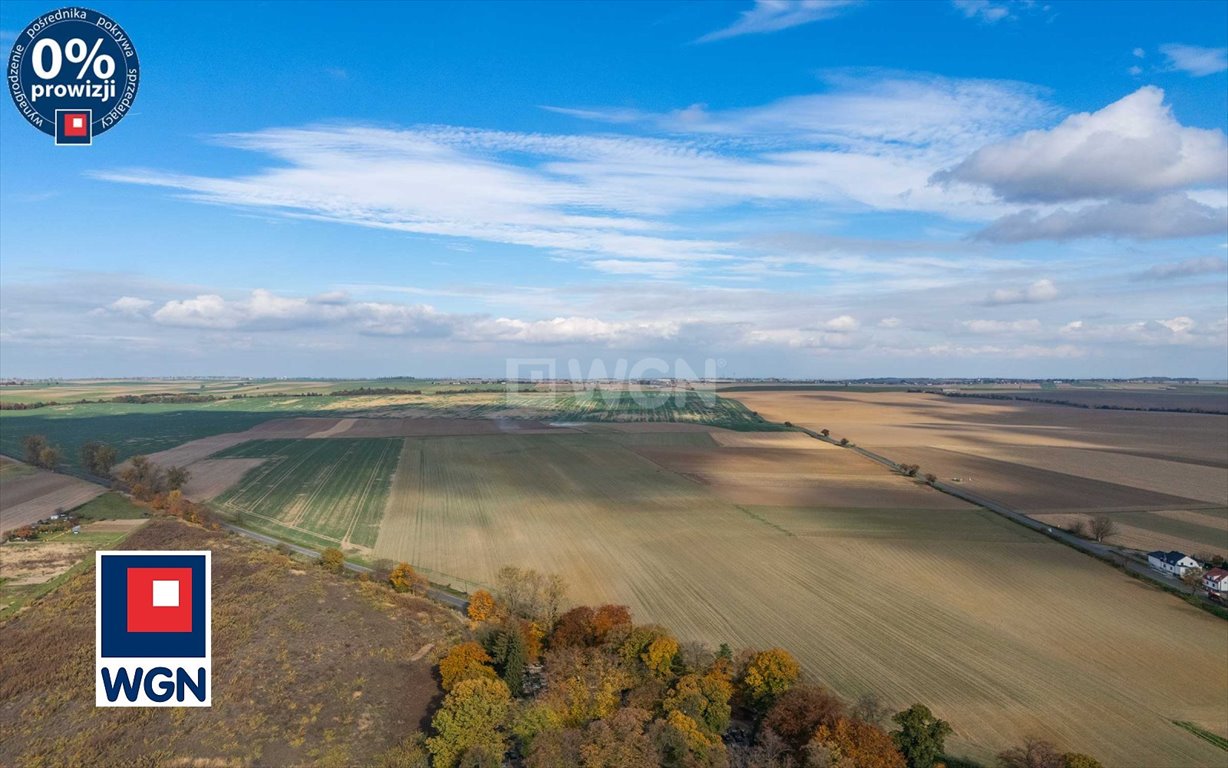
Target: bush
<point x="332" y="560"/>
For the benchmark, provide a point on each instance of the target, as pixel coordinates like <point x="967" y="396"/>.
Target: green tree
<point x="514" y="661"/>
<point x="921" y="736"/>
<point x="470" y="721"/>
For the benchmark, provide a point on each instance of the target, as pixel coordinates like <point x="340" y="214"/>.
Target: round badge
<point x="73" y="74"/>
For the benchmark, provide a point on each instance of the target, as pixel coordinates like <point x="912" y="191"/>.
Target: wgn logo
<point x="152" y="624"/>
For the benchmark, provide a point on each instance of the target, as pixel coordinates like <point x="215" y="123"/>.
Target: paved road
<point x="438" y="595"/>
<point x="1136" y="564"/>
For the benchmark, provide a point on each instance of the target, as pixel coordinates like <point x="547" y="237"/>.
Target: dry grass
<point x="307" y="667"/>
<point x="1003" y="632"/>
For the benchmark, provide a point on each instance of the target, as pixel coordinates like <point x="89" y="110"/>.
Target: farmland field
<point x="887" y="587"/>
<point x="316" y="492"/>
<point x="1060" y="463"/>
<point x="28" y="495"/>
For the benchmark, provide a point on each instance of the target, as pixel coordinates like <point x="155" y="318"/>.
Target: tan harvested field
<point x="1001" y="631"/>
<point x="1191" y="532"/>
<point x="27" y="497"/>
<point x="210" y="477"/>
<point x="1039" y="458"/>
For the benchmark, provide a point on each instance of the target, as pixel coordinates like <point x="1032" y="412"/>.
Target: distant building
<point x="1174" y="562"/>
<point x="1215" y="581"/>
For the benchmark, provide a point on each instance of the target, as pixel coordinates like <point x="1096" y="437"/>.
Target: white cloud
<point x="1135" y="70"/>
<point x="984" y="10"/>
<point x="1139" y="53"/>
<point x="131" y="306"/>
<point x="1208" y="265"/>
<point x="1196" y="60"/>
<point x="1171" y="216"/>
<point x="1035" y="293"/>
<point x="1131" y="147"/>
<point x="775" y="15"/>
<point x="1176" y="331"/>
<point x="1002" y="326"/>
<point x="842" y="324"/>
<point x="889" y="322"/>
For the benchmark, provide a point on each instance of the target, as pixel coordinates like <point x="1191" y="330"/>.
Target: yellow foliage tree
<point x="471" y="721"/>
<point x="481" y="606"/>
<point x="404" y="578"/>
<point x="466" y="661"/>
<point x="769" y="674"/>
<point x="332" y="560"/>
<point x="659" y="655"/>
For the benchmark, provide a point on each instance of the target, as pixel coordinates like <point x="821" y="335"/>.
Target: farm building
<point x="1174" y="562"/>
<point x="1215" y="581"/>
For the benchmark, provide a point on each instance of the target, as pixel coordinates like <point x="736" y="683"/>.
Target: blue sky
<point x="828" y="189"/>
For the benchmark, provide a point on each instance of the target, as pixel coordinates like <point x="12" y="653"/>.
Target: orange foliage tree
<point x="769" y="674"/>
<point x="853" y="742"/>
<point x="466" y="661"/>
<point x="481" y="606"/>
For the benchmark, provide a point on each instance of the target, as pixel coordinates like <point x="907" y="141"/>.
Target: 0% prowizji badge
<point x="73" y="74"/>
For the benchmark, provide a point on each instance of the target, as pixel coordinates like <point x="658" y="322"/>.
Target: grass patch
<point x="109" y="506"/>
<point x="1202" y="733"/>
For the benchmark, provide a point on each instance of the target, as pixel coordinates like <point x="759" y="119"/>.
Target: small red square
<point x="76" y="123"/>
<point x="147" y="613"/>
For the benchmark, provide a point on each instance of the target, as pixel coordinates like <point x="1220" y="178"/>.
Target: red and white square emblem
<point x="159" y="599"/>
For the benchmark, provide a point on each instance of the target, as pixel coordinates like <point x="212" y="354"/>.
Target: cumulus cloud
<point x="842" y="324"/>
<point x="1171" y="216"/>
<point x="1207" y="265"/>
<point x="1034" y="293"/>
<point x="131" y="306"/>
<point x="1195" y="60"/>
<point x="1178" y="331"/>
<point x="1130" y="148"/>
<point x="775" y="15"/>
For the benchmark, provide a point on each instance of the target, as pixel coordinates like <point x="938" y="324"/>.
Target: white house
<point x="1174" y="562"/>
<point x="1215" y="581"/>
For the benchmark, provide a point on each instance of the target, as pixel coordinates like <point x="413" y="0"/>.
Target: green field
<point x="109" y="506"/>
<point x="315" y="492"/>
<point x="147" y="428"/>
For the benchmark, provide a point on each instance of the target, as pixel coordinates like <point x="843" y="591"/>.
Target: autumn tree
<point x="332" y="560"/>
<point x="931" y="478"/>
<point x="619" y="741"/>
<point x="855" y="743"/>
<point x="583" y="684"/>
<point x="825" y="432"/>
<point x="1035" y="753"/>
<point x="921" y="736"/>
<point x="177" y="477"/>
<point x="798" y="713"/>
<point x="869" y="709"/>
<point x="611" y="623"/>
<point x="49" y="457"/>
<point x="481" y="607"/>
<point x="98" y="458"/>
<point x="469" y="725"/>
<point x="681" y="741"/>
<point x="32" y="448"/>
<point x="658" y="657"/>
<point x="403" y="578"/>
<point x="530" y="594"/>
<point x="768" y="674"/>
<point x="574" y="629"/>
<point x="703" y="698"/>
<point x="1078" y="528"/>
<point x="1102" y="527"/>
<point x="143" y="478"/>
<point x="465" y="661"/>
